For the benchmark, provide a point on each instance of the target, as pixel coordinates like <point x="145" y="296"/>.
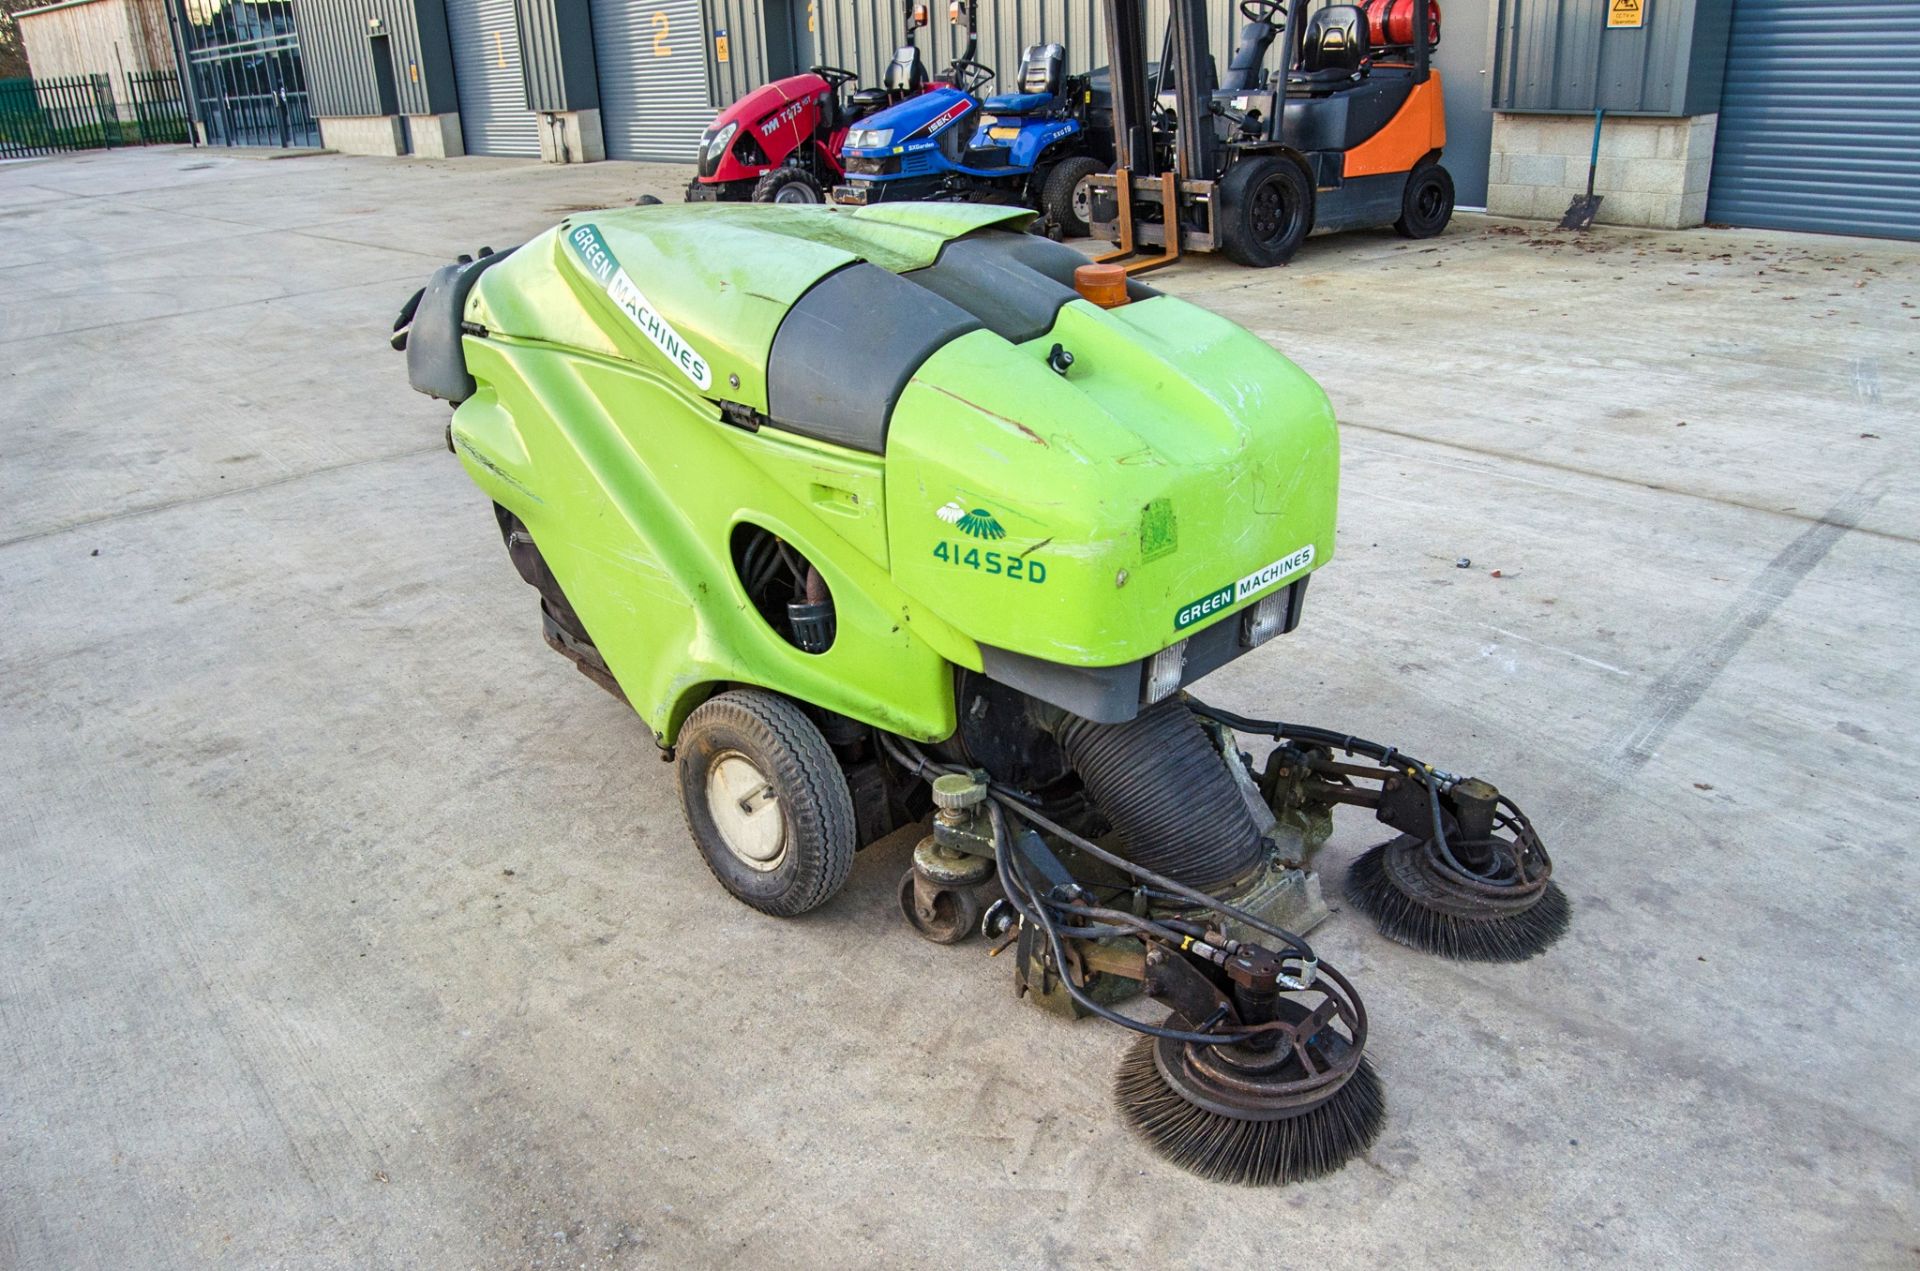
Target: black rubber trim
<point x="436" y="363"/>
<point x="1014" y="283"/>
<point x="847" y="348"/>
<point x="1112" y="694"/>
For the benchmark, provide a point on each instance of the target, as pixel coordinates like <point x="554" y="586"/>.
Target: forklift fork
<point x="1128" y="255"/>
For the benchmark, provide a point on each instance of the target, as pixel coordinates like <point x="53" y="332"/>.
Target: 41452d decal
<point x="1002" y="564"/>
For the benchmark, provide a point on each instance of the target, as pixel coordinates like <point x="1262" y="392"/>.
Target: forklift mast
<point x="1127" y="54"/>
<point x="966" y="13"/>
<point x="1194" y="147"/>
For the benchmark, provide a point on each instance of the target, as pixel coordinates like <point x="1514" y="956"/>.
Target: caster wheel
<point x="944" y="915"/>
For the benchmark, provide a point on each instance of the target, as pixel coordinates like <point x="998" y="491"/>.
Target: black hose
<point x="1164" y="787"/>
<point x="1015" y="884"/>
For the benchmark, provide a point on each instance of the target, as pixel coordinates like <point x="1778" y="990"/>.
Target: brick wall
<point x="1653" y="172"/>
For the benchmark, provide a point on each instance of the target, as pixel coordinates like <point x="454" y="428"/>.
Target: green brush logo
<point x="979" y="522"/>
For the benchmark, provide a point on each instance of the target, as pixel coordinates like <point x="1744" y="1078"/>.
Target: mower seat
<point x="1334" y="52"/>
<point x="1017" y="103"/>
<point x="1041" y="68"/>
<point x="865" y="102"/>
<point x="906" y="73"/>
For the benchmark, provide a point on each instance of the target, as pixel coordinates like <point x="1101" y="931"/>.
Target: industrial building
<point x="1793" y="114"/>
<point x="115" y="38"/>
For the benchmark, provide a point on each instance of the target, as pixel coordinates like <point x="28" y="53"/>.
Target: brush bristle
<point x="1401" y="918"/>
<point x="1257" y="1153"/>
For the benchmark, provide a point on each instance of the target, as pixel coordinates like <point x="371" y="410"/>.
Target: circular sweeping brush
<point x="1506" y="911"/>
<point x="1296" y="1104"/>
<point x="1228" y="1149"/>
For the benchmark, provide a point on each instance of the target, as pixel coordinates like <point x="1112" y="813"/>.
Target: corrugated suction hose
<point x="1168" y="793"/>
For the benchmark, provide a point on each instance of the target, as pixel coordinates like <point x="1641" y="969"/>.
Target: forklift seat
<point x="1243" y="72"/>
<point x="906" y="73"/>
<point x="1334" y="52"/>
<point x="1040" y="71"/>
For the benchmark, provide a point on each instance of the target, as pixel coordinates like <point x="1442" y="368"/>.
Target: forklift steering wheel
<point x="833" y="75"/>
<point x="1264" y="11"/>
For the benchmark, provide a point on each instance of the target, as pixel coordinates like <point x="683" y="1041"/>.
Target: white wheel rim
<point x="1082" y="199"/>
<point x="746" y="810"/>
<point x="795" y="192"/>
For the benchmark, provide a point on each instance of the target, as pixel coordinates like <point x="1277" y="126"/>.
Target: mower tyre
<point x="1063" y="196"/>
<point x="765" y="801"/>
<point x="788" y="185"/>
<point x="1265" y="207"/>
<point x="1426" y="205"/>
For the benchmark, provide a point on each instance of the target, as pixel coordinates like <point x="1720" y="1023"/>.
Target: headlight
<point x="1164" y="672"/>
<point x="716" y="143"/>
<point x="869" y="138"/>
<point x="1262" y="622"/>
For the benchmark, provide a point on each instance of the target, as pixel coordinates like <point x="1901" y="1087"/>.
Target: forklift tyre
<point x="1427" y="203"/>
<point x="1265" y="209"/>
<point x="1065" y="200"/>
<point x="788" y="184"/>
<point x="765" y="801"/>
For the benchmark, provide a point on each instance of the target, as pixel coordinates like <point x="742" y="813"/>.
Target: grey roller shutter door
<point x="652" y="60"/>
<point x="494" y="118"/>
<point x="1820" y="118"/>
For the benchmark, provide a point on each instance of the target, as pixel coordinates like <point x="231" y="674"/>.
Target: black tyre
<point x="1265" y="209"/>
<point x="765" y="801"/>
<point x="788" y="185"/>
<point x="1065" y="198"/>
<point x="1426" y="205"/>
<point x="646" y="200"/>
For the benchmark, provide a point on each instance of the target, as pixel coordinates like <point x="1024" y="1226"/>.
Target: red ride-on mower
<point x="781" y="142"/>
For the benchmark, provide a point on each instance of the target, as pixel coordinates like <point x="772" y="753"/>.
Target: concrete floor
<point x="342" y="924"/>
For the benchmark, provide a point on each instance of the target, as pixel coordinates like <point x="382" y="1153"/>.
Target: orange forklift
<point x="1346" y="131"/>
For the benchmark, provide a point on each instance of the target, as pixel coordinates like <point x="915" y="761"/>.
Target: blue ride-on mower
<point x="1034" y="148"/>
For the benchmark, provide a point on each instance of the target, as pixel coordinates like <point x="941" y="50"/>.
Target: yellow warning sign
<point x="1626" y="13"/>
<point x="720" y="49"/>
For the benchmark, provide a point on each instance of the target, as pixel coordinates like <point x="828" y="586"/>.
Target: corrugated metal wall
<point x="338" y="58"/>
<point x="556" y="45"/>
<point x="1820" y="118"/>
<point x="746" y="66"/>
<point x="654" y="97"/>
<point x="491" y="78"/>
<point x="1559" y="56"/>
<point x="862" y="34"/>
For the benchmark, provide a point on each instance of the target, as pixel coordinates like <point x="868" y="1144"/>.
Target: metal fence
<point x="46" y="115"/>
<point x="78" y="112"/>
<point x="159" y="111"/>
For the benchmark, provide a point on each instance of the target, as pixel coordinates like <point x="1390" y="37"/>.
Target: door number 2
<point x="661" y="26"/>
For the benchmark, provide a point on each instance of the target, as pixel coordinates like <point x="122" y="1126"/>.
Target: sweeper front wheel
<point x="766" y="802"/>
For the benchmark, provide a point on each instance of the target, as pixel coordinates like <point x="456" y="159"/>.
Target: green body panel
<point x="1178" y="455"/>
<point x="635" y="521"/>
<point x="725" y="281"/>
